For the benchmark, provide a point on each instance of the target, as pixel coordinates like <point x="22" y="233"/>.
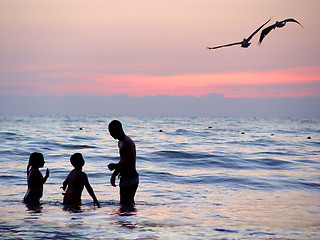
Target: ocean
<point x="200" y="178"/>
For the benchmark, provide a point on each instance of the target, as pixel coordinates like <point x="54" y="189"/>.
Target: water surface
<point x="200" y="178"/>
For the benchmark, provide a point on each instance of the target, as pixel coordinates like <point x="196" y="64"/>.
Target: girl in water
<point x="35" y="179"/>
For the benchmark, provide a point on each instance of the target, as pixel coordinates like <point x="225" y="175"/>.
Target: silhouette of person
<point x="126" y="167"/>
<point x="35" y="179"/>
<point x="75" y="182"/>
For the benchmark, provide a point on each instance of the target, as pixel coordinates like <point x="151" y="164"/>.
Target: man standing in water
<point x="126" y="167"/>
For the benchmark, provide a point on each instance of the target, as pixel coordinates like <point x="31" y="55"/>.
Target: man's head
<point x="115" y="129"/>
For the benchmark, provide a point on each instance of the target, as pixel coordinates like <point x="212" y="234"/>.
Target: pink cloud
<point x="293" y="82"/>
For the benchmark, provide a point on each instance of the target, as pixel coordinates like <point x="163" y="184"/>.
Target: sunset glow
<point x="151" y="48"/>
<point x="60" y="82"/>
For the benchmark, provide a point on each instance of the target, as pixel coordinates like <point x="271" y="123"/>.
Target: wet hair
<point x="77" y="160"/>
<point x="36" y="160"/>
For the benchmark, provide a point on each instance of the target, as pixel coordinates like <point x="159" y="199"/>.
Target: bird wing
<point x="249" y="38"/>
<point x="226" y="45"/>
<point x="291" y="20"/>
<point x="265" y="31"/>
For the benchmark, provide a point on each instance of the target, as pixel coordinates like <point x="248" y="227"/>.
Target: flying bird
<point x="245" y="42"/>
<point x="280" y="24"/>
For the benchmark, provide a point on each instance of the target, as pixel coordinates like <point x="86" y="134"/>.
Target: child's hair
<point x="36" y="160"/>
<point x="77" y="160"/>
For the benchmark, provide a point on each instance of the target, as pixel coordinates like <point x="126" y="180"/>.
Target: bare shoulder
<point x="35" y="173"/>
<point x="75" y="173"/>
<point x="128" y="141"/>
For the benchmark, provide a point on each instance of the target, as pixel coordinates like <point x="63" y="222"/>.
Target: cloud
<point x="63" y="80"/>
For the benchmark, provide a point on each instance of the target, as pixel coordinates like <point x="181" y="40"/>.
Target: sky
<point x="151" y="48"/>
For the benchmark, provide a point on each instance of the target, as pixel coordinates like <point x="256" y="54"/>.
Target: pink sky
<point x="149" y="47"/>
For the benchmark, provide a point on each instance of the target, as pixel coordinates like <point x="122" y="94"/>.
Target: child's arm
<point x="90" y="191"/>
<point x="28" y="169"/>
<point x="46" y="176"/>
<point x="65" y="183"/>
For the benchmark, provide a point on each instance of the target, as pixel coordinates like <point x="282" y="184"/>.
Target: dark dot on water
<point x="160" y="130"/>
<point x="80" y="129"/>
<point x="209" y="127"/>
<point x="242" y="132"/>
<point x="272" y="134"/>
<point x="309" y="137"/>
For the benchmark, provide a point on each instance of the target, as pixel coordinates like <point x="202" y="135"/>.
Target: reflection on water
<point x="174" y="211"/>
<point x="34" y="210"/>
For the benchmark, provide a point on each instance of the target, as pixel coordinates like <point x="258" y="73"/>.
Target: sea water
<point x="200" y="178"/>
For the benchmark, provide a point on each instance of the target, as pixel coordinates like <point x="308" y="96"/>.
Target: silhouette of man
<point x="126" y="167"/>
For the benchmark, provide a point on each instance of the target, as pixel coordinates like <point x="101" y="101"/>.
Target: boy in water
<point x="35" y="179"/>
<point x="75" y="181"/>
<point x="126" y="167"/>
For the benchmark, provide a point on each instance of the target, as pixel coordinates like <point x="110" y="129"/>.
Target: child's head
<point x="36" y="160"/>
<point x="77" y="160"/>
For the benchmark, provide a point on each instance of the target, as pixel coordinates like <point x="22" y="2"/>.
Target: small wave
<point x="96" y="175"/>
<point x="281" y="131"/>
<point x="151" y="204"/>
<point x="74" y="146"/>
<point x="83" y="138"/>
<point x="302" y="184"/>
<point x="194" y="159"/>
<point x="264" y="142"/>
<point x="309" y="121"/>
<point x="277" y="153"/>
<point x="225" y="230"/>
<point x="310" y="185"/>
<point x="14" y="152"/>
<point x="10" y="178"/>
<point x="314" y="143"/>
<point x="269" y="163"/>
<point x="56" y="145"/>
<point x="37" y="232"/>
<point x="205" y="179"/>
<point x="103" y="203"/>
<point x="181" y="132"/>
<point x="262" y="234"/>
<point x="181" y="155"/>
<point x="8" y="134"/>
<point x="214" y="161"/>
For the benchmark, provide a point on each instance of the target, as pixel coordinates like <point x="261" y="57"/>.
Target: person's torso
<point x="76" y="183"/>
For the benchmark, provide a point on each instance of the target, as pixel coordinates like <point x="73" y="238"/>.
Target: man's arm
<point x="113" y="177"/>
<point x="113" y="166"/>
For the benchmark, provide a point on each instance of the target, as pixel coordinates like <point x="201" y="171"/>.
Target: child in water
<point x="35" y="179"/>
<point x="75" y="181"/>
